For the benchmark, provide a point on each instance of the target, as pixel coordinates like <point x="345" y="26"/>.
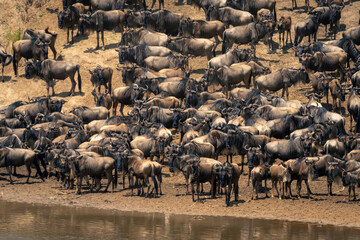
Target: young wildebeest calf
<point x="229" y="178"/>
<point x="284" y="25"/>
<point x="351" y="179"/>
<point x="337" y="92"/>
<point x="258" y="174"/>
<point x="280" y="173"/>
<point x="49" y="70"/>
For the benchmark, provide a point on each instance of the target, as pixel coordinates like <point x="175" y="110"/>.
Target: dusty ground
<point x="321" y="208"/>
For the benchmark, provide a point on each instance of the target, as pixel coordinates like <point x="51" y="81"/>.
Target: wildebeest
<point x="86" y="115"/>
<point x="328" y="15"/>
<point x="32" y="109"/>
<point x="249" y="33"/>
<point x="309" y="27"/>
<point x="229" y="16"/>
<point x="192" y="46"/>
<point x="3" y="57"/>
<point x="138" y="36"/>
<point x="258" y="174"/>
<point x="280" y="174"/>
<point x="307" y="5"/>
<point x="83" y="166"/>
<point x="168" y="102"/>
<point x="229" y="76"/>
<point x="353" y="34"/>
<point x="301" y="169"/>
<point x="126" y="96"/>
<point x="282" y="79"/>
<point x="68" y="18"/>
<point x="103" y="100"/>
<point x="351" y="179"/>
<point x="337" y="93"/>
<point x="321" y="62"/>
<point x="103" y="20"/>
<point x="253" y="6"/>
<point x="234" y="55"/>
<point x="284" y="25"/>
<point x="44" y="35"/>
<point x="229" y="175"/>
<point x="50" y="70"/>
<point x="353" y="107"/>
<point x="163" y="21"/>
<point x="201" y="29"/>
<point x="171" y="61"/>
<point x="15" y="157"/>
<point x="105" y="5"/>
<point x="139" y="53"/>
<point x="150" y="146"/>
<point x="286" y="149"/>
<point x="101" y="76"/>
<point x="29" y="49"/>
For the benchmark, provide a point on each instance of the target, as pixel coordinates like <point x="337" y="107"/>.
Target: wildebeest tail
<point x="10" y="59"/>
<point x="79" y="77"/>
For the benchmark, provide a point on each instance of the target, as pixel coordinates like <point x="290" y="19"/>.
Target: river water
<point x="26" y="221"/>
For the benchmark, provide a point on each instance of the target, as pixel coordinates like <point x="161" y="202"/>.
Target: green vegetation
<point x="14" y="36"/>
<point x="41" y="14"/>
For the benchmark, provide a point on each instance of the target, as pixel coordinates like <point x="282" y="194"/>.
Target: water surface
<point x="26" y="221"/>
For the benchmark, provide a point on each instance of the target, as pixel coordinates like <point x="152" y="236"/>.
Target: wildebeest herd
<point x="282" y="140"/>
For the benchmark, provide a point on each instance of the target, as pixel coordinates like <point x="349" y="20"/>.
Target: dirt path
<point x="321" y="209"/>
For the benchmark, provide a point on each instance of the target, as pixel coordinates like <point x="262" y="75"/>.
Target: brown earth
<point x="320" y="209"/>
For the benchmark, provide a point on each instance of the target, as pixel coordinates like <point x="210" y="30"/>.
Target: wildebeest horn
<point x="246" y="148"/>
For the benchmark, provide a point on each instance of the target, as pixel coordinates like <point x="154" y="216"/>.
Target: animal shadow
<point x="7" y="79"/>
<point x="67" y="94"/>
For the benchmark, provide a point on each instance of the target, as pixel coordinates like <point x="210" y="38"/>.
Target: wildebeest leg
<point x="266" y="190"/>
<point x="122" y="109"/>
<point x="9" y="171"/>
<point x="98" y="184"/>
<point x="97" y="38"/>
<point x="249" y="175"/>
<point x="298" y="187"/>
<point x="193" y="192"/>
<point x="79" y="183"/>
<point x="198" y="190"/>
<point x="102" y="39"/>
<point x="329" y="188"/>
<point x="187" y="184"/>
<point x="73" y="84"/>
<point x="153" y="3"/>
<point x="353" y="187"/>
<point x="72" y="34"/>
<point x="53" y="50"/>
<point x="67" y="36"/>
<point x="159" y="177"/>
<point x="2" y="73"/>
<point x="242" y="163"/>
<point x="28" y="168"/>
<point x="110" y="180"/>
<point x="308" y="187"/>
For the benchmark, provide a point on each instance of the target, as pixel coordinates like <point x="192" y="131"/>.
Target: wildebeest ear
<point x="56" y="10"/>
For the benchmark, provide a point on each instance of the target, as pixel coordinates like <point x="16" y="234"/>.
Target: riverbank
<point x="320" y="209"/>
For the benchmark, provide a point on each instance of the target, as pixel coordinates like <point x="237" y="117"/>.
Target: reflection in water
<point x="24" y="221"/>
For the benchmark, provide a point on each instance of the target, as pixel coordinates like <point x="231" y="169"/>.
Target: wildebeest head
<point x="334" y="172"/>
<point x="176" y="118"/>
<point x="211" y="13"/>
<point x="32" y="69"/>
<point x="253" y="155"/>
<point x="307" y="141"/>
<point x="303" y="76"/>
<point x="225" y="173"/>
<point x="123" y="53"/>
<point x="55" y="105"/>
<point x="99" y="98"/>
<point x="96" y="75"/>
<point x="64" y="15"/>
<point x="171" y="153"/>
<point x="195" y="164"/>
<point x="137" y="92"/>
<point x="185" y="27"/>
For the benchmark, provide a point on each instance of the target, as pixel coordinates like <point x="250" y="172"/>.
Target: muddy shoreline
<point x="320" y="209"/>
